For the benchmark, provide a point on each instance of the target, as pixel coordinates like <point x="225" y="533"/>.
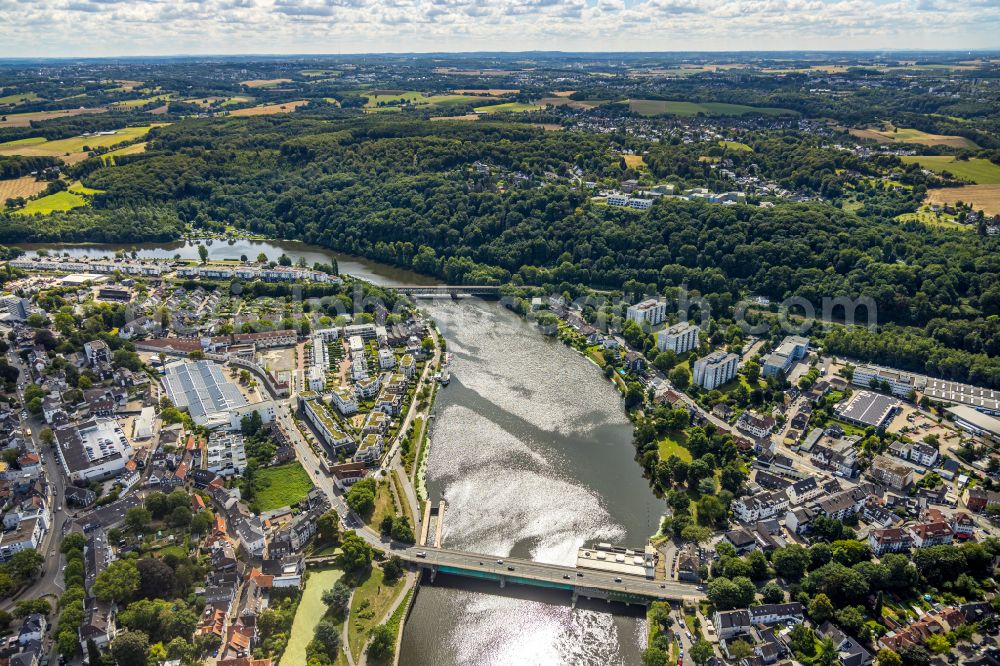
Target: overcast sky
<point x="167" y="27"/>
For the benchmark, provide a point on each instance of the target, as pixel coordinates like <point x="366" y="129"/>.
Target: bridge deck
<point x="548" y="575"/>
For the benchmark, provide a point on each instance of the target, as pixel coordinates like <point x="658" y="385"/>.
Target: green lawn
<point x="372" y="599"/>
<point x="508" y="107"/>
<point x="976" y="170"/>
<point x="384" y="506"/>
<point x="308" y="615"/>
<point x="659" y="107"/>
<point x="737" y="146"/>
<point x="675" y="444"/>
<point x="54" y="202"/>
<point x="287" y="485"/>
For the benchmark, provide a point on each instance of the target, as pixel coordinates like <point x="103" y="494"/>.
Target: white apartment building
<point x="408" y="366"/>
<point x="345" y="400"/>
<point x="386" y="359"/>
<point x="900" y="383"/>
<point x="329" y="431"/>
<point x="225" y="454"/>
<point x="649" y="311"/>
<point x="370" y="449"/>
<point x="715" y="369"/>
<point x="679" y="338"/>
<point x="316" y="378"/>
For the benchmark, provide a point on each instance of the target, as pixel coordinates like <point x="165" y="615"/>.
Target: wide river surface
<point x="532" y="451"/>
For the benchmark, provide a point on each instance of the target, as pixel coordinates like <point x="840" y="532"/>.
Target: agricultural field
<point x="25" y="186"/>
<point x="17" y="98"/>
<point x="975" y="170"/>
<point x="416" y="98"/>
<point x="24" y="119"/>
<point x="264" y="83"/>
<point x="270" y="109"/>
<point x="657" y="107"/>
<point x="59" y="201"/>
<point x="508" y="107"/>
<point x="982" y="197"/>
<point x="318" y="73"/>
<point x="890" y="134"/>
<point x="559" y="100"/>
<point x="491" y="92"/>
<point x="79" y="188"/>
<point x="136" y="103"/>
<point x="468" y="116"/>
<point x="286" y="485"/>
<point x="237" y="99"/>
<point x="133" y="149"/>
<point x="73" y="149"/>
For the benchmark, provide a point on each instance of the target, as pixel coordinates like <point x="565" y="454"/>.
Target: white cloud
<point x="155" y="27"/>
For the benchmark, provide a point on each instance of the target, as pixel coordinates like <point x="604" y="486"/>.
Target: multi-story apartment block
<point x="715" y="369"/>
<point x="650" y="311"/>
<point x="679" y="338"/>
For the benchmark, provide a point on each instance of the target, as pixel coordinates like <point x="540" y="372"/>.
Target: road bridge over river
<point x="445" y="290"/>
<point x="580" y="582"/>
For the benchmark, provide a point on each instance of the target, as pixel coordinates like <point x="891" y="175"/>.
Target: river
<point x="532" y="450"/>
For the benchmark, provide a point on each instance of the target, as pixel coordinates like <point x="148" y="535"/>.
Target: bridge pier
<point x="503" y="581"/>
<point x="434" y="572"/>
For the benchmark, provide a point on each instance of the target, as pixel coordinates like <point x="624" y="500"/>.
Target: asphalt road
<point x="48" y="582"/>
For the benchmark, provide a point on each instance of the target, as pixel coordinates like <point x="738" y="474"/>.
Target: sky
<point x="56" y="28"/>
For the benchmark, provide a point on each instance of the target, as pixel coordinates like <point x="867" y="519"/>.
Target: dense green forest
<point x="404" y="192"/>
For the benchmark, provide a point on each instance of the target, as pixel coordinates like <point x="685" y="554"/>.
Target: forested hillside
<point x="405" y="192"/>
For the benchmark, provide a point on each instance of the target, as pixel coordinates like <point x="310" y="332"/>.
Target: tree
<point x="938" y="644"/>
<point x="137" y="518"/>
<point x="24" y="565"/>
<point x="820" y="608"/>
<point x="654" y="656"/>
<point x="393" y="569"/>
<point x="849" y="552"/>
<point x="328" y="528"/>
<point x="203" y="253"/>
<point x="740" y="649"/>
<point x="337" y="598"/>
<point x="726" y="594"/>
<point x="828" y="655"/>
<point x="802" y="640"/>
<point x="702" y="651"/>
<point x="156" y="578"/>
<point x="180" y="516"/>
<point x="327" y="638"/>
<point x="852" y="620"/>
<point x="355" y="552"/>
<point x="361" y="497"/>
<point x="130" y="648"/>
<point x="887" y="657"/>
<point x="773" y="594"/>
<point x="383" y="642"/>
<point x="25" y="607"/>
<point x="791" y="561"/>
<point x="680" y="377"/>
<point x="915" y="655"/>
<point x="117" y="582"/>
